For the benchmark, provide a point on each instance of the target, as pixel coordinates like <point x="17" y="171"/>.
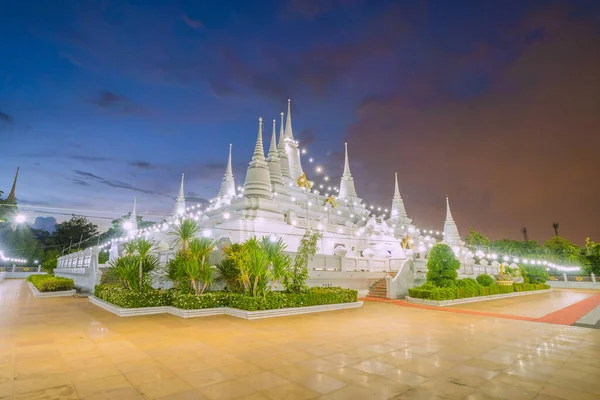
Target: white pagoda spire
<point x="132" y="222"/>
<point x="398" y="210"/>
<point x="347" y="189"/>
<point x="451" y="235"/>
<point x="258" y="179"/>
<point x="273" y="160"/>
<point x="179" y="208"/>
<point x="291" y="147"/>
<point x="228" y="184"/>
<point x="288" y="122"/>
<point x="283" y="158"/>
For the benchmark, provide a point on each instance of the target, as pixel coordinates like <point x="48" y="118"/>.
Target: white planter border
<point x="445" y="303"/>
<point x="38" y="294"/>
<point x="234" y="312"/>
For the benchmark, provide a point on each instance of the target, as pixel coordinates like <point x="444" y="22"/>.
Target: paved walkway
<point x="66" y="348"/>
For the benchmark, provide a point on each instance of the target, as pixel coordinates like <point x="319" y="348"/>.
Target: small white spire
<point x="228" y="184"/>
<point x="288" y="122"/>
<point x="228" y="171"/>
<point x="181" y="192"/>
<point x="398" y="214"/>
<point x="258" y="179"/>
<point x="451" y="235"/>
<point x="347" y="189"/>
<point x="179" y="208"/>
<point x="132" y="228"/>
<point x="273" y="147"/>
<point x="281" y="136"/>
<point x="259" y="152"/>
<point x="346" y="164"/>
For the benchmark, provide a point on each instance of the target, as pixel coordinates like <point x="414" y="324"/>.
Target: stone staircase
<point x="379" y="289"/>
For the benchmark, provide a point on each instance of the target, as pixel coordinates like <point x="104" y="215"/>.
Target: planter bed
<point x="444" y="303"/>
<point x="235" y="312"/>
<point x="39" y="294"/>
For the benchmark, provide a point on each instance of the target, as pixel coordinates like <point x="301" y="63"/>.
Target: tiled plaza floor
<point x="67" y="348"/>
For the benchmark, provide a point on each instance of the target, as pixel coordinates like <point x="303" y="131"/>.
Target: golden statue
<point x="406" y="243"/>
<point x="331" y="200"/>
<point x="303" y="182"/>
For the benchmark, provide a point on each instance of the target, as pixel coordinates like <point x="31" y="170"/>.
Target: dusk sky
<point x="493" y="103"/>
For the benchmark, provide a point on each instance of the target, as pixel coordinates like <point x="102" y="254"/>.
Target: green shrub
<point x="485" y="280"/>
<point x="125" y="298"/>
<point x="468" y="288"/>
<point x="525" y="287"/>
<point x="464" y="288"/>
<point x="534" y="274"/>
<point x="50" y="283"/>
<point x="442" y="266"/>
<point x="121" y="297"/>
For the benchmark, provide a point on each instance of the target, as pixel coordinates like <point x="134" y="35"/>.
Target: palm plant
<point x="125" y="270"/>
<point x="200" y="249"/>
<point x="144" y="248"/>
<point x="254" y="273"/>
<point x="229" y="274"/>
<point x="184" y="231"/>
<point x="280" y="262"/>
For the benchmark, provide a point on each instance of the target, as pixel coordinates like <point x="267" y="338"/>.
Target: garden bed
<point x="50" y="286"/>
<point x="445" y="303"/>
<point x="125" y="303"/>
<point x="61" y="293"/>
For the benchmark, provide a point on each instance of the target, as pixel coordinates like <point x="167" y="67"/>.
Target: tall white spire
<point x="132" y="223"/>
<point x="283" y="158"/>
<point x="273" y="161"/>
<point x="179" y="208"/>
<point x="288" y="122"/>
<point x="347" y="189"/>
<point x="398" y="211"/>
<point x="291" y="147"/>
<point x="451" y="235"/>
<point x="228" y="184"/>
<point x="258" y="179"/>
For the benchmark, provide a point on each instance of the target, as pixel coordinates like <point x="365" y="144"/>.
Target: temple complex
<point x="360" y="244"/>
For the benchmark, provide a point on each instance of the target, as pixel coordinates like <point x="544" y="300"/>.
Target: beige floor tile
<point x="205" y="378"/>
<point x="290" y="391"/>
<point x="567" y="393"/>
<point x="148" y="375"/>
<point x="321" y="383"/>
<point x="229" y="390"/>
<point x="418" y="394"/>
<point x="187" y="395"/>
<point x="239" y="369"/>
<point x="263" y="380"/>
<point x="91" y="373"/>
<point x="96" y="386"/>
<point x="66" y="392"/>
<point x="353" y="393"/>
<point x="162" y="388"/>
<point x="127" y="393"/>
<point x="41" y="381"/>
<point x="373" y="367"/>
<point x="404" y="377"/>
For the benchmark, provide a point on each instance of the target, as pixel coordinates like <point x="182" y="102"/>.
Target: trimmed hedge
<point x="485" y="280"/>
<point x="50" y="283"/>
<point x="122" y="297"/>
<point x="525" y="287"/>
<point x="469" y="288"/>
<point x="273" y="300"/>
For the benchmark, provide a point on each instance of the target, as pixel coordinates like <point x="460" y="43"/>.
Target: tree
<point x="296" y="280"/>
<point x="72" y="231"/>
<point x="564" y="251"/>
<point x="477" y="239"/>
<point x="442" y="266"/>
<point x="518" y="248"/>
<point x="591" y="253"/>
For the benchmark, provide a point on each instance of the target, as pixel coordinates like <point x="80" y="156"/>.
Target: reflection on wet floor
<point x="66" y="348"/>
